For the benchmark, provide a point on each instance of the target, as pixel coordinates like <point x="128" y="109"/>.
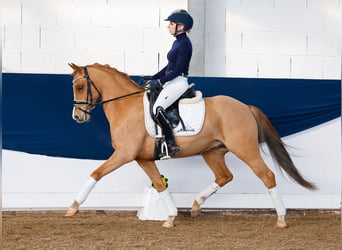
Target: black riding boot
<point x="167" y="131"/>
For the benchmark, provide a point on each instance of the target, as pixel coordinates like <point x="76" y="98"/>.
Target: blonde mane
<point x="112" y="70"/>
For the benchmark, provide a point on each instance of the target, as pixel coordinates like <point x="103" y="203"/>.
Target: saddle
<point x="172" y="112"/>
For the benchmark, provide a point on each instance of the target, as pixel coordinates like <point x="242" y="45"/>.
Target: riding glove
<point x="144" y="80"/>
<point x="155" y="84"/>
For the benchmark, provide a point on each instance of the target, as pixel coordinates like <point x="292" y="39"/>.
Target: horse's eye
<point x="79" y="87"/>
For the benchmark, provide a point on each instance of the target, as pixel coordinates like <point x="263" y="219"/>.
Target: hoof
<point x="281" y="223"/>
<point x="71" y="212"/>
<point x="196" y="209"/>
<point x="169" y="223"/>
<point x="195" y="213"/>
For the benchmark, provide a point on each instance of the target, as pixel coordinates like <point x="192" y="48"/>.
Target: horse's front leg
<point x="114" y="162"/>
<point x="153" y="173"/>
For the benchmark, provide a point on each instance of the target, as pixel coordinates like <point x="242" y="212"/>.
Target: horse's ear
<point x="73" y="66"/>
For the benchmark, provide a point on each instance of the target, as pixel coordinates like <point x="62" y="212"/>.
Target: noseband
<point x="89" y="101"/>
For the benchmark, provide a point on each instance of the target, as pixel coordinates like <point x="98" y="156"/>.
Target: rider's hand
<point x="155" y="84"/>
<point x="144" y="80"/>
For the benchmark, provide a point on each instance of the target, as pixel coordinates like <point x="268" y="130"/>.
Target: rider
<point x="173" y="77"/>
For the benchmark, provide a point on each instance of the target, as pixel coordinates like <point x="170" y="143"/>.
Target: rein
<point x="120" y="97"/>
<point x="92" y="105"/>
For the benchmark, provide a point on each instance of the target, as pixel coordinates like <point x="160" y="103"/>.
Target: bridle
<point x="89" y="101"/>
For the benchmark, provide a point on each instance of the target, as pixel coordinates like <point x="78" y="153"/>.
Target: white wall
<point x="42" y="36"/>
<point x="273" y="38"/>
<point x="243" y="38"/>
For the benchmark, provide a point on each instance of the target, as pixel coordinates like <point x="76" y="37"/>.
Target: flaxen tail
<point x="267" y="133"/>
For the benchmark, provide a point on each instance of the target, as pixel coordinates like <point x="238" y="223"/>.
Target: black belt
<point x="182" y="74"/>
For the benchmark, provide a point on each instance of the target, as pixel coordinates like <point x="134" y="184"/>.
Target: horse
<point x="229" y="126"/>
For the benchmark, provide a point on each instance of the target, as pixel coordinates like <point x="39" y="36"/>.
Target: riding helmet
<point x="183" y="17"/>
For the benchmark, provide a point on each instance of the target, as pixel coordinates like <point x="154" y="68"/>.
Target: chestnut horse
<point x="229" y="126"/>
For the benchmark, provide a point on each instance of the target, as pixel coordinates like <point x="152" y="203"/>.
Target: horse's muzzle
<point x="80" y="116"/>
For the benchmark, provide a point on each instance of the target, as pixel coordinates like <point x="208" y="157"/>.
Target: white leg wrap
<point x="206" y="193"/>
<point x="170" y="205"/>
<point x="278" y="203"/>
<point x="85" y="190"/>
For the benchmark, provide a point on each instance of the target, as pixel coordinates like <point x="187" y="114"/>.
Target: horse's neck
<point x="119" y="91"/>
<point x="114" y="85"/>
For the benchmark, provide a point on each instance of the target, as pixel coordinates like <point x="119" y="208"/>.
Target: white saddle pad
<point x="191" y="110"/>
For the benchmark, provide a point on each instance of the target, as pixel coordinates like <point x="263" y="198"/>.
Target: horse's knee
<point x="159" y="186"/>
<point x="223" y="180"/>
<point x="97" y="175"/>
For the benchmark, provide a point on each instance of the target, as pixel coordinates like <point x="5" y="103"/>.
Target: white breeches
<point x="172" y="90"/>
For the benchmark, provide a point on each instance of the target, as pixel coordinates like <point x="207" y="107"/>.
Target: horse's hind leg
<point x="257" y="164"/>
<point x="215" y="160"/>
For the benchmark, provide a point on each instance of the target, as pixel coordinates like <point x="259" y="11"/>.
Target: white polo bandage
<point x="277" y="201"/>
<point x="85" y="190"/>
<point x="206" y="193"/>
<point x="170" y="205"/>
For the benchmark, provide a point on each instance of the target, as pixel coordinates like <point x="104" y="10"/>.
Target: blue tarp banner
<point x="37" y="110"/>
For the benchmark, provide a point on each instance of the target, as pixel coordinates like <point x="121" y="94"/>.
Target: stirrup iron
<point x="164" y="151"/>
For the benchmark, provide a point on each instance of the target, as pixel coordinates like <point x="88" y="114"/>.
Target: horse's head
<point x="85" y="94"/>
<point x="89" y="87"/>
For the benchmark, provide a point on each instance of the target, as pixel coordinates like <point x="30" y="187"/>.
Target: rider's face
<point x="172" y="28"/>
